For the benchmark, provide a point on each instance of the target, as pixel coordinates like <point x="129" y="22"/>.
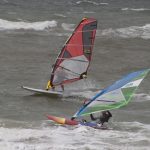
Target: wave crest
<point x="68" y="27"/>
<point x="129" y="32"/>
<point x="135" y="9"/>
<point x="38" y="26"/>
<point x="90" y="2"/>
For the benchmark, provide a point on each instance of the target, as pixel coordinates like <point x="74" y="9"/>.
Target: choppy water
<point x="32" y="33"/>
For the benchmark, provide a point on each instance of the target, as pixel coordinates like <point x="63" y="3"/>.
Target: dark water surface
<point x="32" y="33"/>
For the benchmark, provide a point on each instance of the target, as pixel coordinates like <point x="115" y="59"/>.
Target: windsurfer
<point x="104" y="117"/>
<point x="49" y="85"/>
<point x="83" y="75"/>
<point x="98" y="121"/>
<point x="62" y="87"/>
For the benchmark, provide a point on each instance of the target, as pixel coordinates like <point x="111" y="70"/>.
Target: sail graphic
<point x="74" y="59"/>
<point x="115" y="96"/>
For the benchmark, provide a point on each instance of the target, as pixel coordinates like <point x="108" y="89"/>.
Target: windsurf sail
<point x="74" y="59"/>
<point x="115" y="96"/>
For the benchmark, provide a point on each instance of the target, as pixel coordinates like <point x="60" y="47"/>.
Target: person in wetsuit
<point x="104" y="117"/>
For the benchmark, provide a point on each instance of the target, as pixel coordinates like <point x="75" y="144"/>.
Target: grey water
<point x="32" y="33"/>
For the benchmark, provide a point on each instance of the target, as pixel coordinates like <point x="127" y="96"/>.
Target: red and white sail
<point x="74" y="59"/>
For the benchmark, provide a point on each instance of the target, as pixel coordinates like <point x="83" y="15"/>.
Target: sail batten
<point x="74" y="59"/>
<point x="68" y="70"/>
<point x="78" y="45"/>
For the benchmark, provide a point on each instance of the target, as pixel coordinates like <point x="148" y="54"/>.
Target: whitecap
<point x="135" y="9"/>
<point x="104" y="3"/>
<point x="60" y="15"/>
<point x="88" y="12"/>
<point x="87" y="1"/>
<point x="68" y="27"/>
<point x="128" y="32"/>
<point x="38" y="26"/>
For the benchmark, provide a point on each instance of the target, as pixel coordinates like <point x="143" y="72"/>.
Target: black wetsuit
<point x="103" y="118"/>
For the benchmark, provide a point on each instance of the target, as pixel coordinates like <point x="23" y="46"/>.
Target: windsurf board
<point x="65" y="121"/>
<point x="41" y="91"/>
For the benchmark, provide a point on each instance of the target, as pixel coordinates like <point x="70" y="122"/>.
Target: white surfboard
<point x="50" y="92"/>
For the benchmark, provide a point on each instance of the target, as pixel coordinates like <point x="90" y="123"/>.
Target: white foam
<point x="68" y="27"/>
<point x="135" y="9"/>
<point x="91" y="2"/>
<point x="84" y="88"/>
<point x="38" y="26"/>
<point x="85" y="94"/>
<point x="86" y="1"/>
<point x="104" y="3"/>
<point x="128" y="32"/>
<point x="141" y="97"/>
<point x="80" y="137"/>
<point x="60" y="15"/>
<point x="88" y="12"/>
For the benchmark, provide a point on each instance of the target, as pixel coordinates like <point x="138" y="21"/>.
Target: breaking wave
<point x="38" y="26"/>
<point x="129" y="32"/>
<point x="133" y="135"/>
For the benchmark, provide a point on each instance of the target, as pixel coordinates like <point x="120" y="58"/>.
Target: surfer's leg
<point x="53" y="88"/>
<point x="62" y="87"/>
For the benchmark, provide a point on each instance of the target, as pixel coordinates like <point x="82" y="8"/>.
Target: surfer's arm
<point x="110" y="115"/>
<point x="92" y="117"/>
<point x="72" y="118"/>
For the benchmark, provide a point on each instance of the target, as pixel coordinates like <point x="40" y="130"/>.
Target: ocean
<point x="32" y="33"/>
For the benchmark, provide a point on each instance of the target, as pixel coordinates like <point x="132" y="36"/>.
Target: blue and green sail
<point x="115" y="96"/>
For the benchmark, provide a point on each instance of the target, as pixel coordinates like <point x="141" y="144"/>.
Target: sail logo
<point x="133" y="83"/>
